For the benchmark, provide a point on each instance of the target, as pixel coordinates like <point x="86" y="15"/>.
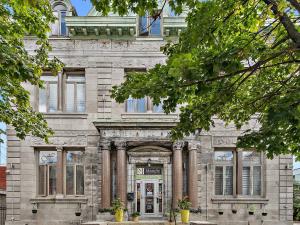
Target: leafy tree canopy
<point x="236" y="59"/>
<point x="20" y="18"/>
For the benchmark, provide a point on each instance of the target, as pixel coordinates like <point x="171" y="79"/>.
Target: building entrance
<point x="149" y="191"/>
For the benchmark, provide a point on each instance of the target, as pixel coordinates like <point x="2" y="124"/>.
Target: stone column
<point x="106" y="175"/>
<point x="59" y="172"/>
<point x="121" y="171"/>
<point x="193" y="174"/>
<point x="177" y="172"/>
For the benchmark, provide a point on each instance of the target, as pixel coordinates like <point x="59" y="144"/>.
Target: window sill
<point x="62" y="115"/>
<point x="149" y="115"/>
<point x="239" y="200"/>
<point x="149" y="38"/>
<point x="60" y="200"/>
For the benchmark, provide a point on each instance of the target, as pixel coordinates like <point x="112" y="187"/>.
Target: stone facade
<point x="115" y="143"/>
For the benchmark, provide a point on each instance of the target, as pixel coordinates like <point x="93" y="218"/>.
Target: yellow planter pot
<point x="185" y="216"/>
<point x="119" y="215"/>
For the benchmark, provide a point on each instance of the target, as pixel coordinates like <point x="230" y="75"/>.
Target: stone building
<point x="102" y="150"/>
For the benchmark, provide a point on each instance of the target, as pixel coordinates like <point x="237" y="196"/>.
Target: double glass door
<point x="149" y="197"/>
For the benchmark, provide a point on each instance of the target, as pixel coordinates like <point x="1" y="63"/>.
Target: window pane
<point x="219" y="180"/>
<point x="80" y="97"/>
<point x="229" y="180"/>
<point x="42" y="179"/>
<point x="251" y="157"/>
<point x="47" y="157"/>
<point x="63" y="27"/>
<point x="52" y="97"/>
<point x="155" y="27"/>
<point x="70" y="98"/>
<point x="70" y="180"/>
<point x="158" y="108"/>
<point x="76" y="78"/>
<point x="74" y="157"/>
<point x="143" y="27"/>
<point x="246" y="180"/>
<point x="79" y="180"/>
<point x="49" y="78"/>
<point x="42" y="100"/>
<point x="226" y="156"/>
<point x="130" y="105"/>
<point x="141" y="105"/>
<point x="52" y="179"/>
<point x="256" y="180"/>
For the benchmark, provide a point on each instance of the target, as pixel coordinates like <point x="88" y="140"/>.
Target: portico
<point x="146" y="170"/>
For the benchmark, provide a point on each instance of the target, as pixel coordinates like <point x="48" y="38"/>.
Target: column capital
<point x="105" y="145"/>
<point x="59" y="148"/>
<point x="178" y="145"/>
<point x="193" y="145"/>
<point x="120" y="145"/>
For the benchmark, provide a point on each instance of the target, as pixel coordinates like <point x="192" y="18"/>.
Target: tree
<point x="20" y="18"/>
<point x="236" y="59"/>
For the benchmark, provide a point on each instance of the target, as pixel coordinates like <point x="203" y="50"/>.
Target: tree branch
<point x="286" y="22"/>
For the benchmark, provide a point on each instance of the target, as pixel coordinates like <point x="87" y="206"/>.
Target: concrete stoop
<point x="148" y="223"/>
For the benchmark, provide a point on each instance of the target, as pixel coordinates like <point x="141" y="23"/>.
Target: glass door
<point x="149" y="197"/>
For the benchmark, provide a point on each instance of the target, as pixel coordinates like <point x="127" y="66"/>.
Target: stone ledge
<point x="239" y="200"/>
<point x="64" y="200"/>
<point x="62" y="115"/>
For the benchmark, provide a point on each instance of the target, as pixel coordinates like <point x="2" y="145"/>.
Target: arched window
<point x="60" y="12"/>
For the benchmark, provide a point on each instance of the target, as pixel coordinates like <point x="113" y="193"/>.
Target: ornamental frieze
<point x="80" y="140"/>
<point x="224" y="141"/>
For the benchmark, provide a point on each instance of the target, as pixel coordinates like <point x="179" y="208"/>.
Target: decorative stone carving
<point x="60" y="141"/>
<point x="105" y="145"/>
<point x="224" y="141"/>
<point x="120" y="145"/>
<point x="194" y="145"/>
<point x="178" y="145"/>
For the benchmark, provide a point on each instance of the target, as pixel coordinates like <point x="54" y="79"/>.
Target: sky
<point x="3" y="146"/>
<point x="82" y="6"/>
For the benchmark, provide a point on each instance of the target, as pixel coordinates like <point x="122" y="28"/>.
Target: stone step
<point x="148" y="223"/>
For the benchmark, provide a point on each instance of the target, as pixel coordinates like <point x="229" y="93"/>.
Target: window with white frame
<point x="72" y="89"/>
<point x="48" y="95"/>
<point x="134" y="105"/>
<point x="74" y="171"/>
<point x="150" y="25"/>
<point x="251" y="175"/>
<point x="47" y="173"/>
<point x="223" y="172"/>
<point x="75" y="93"/>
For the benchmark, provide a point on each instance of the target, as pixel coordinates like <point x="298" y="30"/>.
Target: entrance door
<point x="149" y="197"/>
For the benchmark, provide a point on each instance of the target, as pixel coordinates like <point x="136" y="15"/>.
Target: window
<point x="72" y="92"/>
<point x="70" y="172"/>
<point x="48" y="95"/>
<point x="136" y="105"/>
<point x="75" y="93"/>
<point x="59" y="27"/>
<point x="251" y="175"/>
<point x="238" y="172"/>
<point x="224" y="173"/>
<point x="74" y="173"/>
<point x="158" y="108"/>
<point x="148" y="26"/>
<point x="47" y="172"/>
<point x="63" y="26"/>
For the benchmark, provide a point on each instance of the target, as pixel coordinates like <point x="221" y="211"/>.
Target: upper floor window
<point x="48" y="95"/>
<point x="142" y="105"/>
<point x="65" y="92"/>
<point x="150" y="26"/>
<point x="60" y="27"/>
<point x="75" y="93"/>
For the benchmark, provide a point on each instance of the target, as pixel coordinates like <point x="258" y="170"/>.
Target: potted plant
<point x="184" y="206"/>
<point x="251" y="210"/>
<point x="117" y="207"/>
<point x="135" y="216"/>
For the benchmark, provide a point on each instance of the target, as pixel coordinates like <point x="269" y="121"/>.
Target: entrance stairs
<point x="144" y="222"/>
